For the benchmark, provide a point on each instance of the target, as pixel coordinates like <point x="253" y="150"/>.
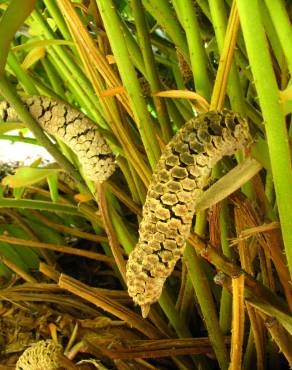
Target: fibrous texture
<point x="181" y="175"/>
<point x="184" y="67"/>
<point x="43" y="355"/>
<point x="74" y="129"/>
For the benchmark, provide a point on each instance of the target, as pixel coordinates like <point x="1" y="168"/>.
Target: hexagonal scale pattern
<point x="74" y="129"/>
<point x="182" y="172"/>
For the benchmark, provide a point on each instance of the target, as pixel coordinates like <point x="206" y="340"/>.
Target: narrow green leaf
<point x="275" y="126"/>
<point x="53" y="186"/>
<point x="12" y="19"/>
<point x="40" y="43"/>
<point x="29" y="256"/>
<point x="10" y="126"/>
<point x="20" y="139"/>
<point x="39" y="204"/>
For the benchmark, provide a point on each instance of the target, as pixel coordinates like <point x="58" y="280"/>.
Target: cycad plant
<point x="139" y="98"/>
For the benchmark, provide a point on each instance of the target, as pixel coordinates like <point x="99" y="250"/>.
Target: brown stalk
<point x="70" y="230"/>
<point x="112" y="238"/>
<point x="130" y="349"/>
<point x="237" y="322"/>
<point x="46" y="193"/>
<point x="278" y="333"/>
<point x="269" y="242"/>
<point x="19" y="271"/>
<point x="214" y="224"/>
<point x="120" y="295"/>
<point x="35" y="287"/>
<point x="222" y="263"/>
<point x="53" y="288"/>
<point x="66" y="363"/>
<point x="246" y="250"/>
<point x="61" y="299"/>
<point x="56" y="248"/>
<point x="100" y="300"/>
<point x="252" y="231"/>
<point x="258" y="335"/>
<point x="49" y="271"/>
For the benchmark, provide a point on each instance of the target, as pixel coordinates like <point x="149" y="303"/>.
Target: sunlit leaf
<point x="41" y="44"/>
<point x="26" y="176"/>
<point x="53" y="186"/>
<point x="32" y="57"/>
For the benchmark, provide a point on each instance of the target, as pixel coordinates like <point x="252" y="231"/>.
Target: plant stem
<point x="163" y="13"/>
<point x="55" y="80"/>
<point x="108" y="226"/>
<point x="25" y="80"/>
<point x="129" y="78"/>
<point x="199" y="61"/>
<point x="70" y="71"/>
<point x="151" y="71"/>
<point x="57" y="16"/>
<point x="207" y="305"/>
<point x="280" y="336"/>
<point x="277" y="135"/>
<point x="19" y="139"/>
<point x="39" y="204"/>
<point x="56" y="247"/>
<point x="282" y="24"/>
<point x="226" y="299"/>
